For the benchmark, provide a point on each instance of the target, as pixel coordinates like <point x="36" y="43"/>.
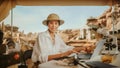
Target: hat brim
<point x="45" y="22"/>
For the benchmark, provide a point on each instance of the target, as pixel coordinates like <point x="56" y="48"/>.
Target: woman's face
<point x="53" y="26"/>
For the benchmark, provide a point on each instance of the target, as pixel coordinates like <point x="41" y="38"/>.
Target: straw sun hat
<point x="53" y="16"/>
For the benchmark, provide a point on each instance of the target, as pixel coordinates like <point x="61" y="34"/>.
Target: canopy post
<point x="11" y="20"/>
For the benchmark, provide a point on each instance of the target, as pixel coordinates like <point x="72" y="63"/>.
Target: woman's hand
<point x="77" y="49"/>
<point x="66" y="53"/>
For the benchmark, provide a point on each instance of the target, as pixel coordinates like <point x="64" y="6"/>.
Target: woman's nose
<point x="54" y="25"/>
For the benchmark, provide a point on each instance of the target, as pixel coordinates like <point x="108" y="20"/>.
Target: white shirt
<point x="44" y="47"/>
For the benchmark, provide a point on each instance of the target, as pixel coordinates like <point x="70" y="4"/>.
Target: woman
<point x="49" y="44"/>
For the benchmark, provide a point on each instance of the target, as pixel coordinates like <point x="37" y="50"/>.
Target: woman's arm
<point x="55" y="56"/>
<point x="78" y="49"/>
<point x="51" y="57"/>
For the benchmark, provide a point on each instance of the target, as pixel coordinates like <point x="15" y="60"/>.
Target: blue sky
<point x="29" y="18"/>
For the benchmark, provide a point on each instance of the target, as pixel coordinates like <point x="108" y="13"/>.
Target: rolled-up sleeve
<point x="43" y="57"/>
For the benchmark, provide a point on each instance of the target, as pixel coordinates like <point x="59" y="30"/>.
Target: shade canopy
<point x="7" y="5"/>
<point x="64" y="2"/>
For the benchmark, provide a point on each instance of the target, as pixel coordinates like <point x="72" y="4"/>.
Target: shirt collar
<point x="48" y="35"/>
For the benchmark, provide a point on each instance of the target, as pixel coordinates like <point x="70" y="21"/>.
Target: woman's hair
<point x="49" y="21"/>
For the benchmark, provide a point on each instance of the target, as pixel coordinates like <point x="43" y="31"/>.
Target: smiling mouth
<point x="53" y="28"/>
